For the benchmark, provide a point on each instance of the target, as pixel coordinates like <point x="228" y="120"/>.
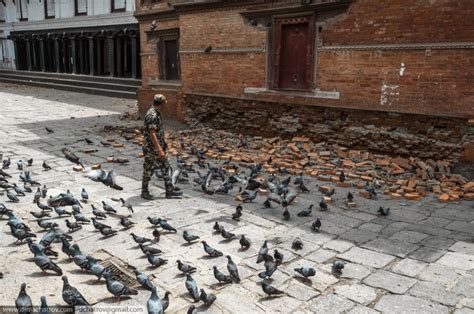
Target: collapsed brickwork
<point x="388" y="133"/>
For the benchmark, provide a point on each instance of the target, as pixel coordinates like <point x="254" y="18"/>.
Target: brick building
<point x="392" y="76"/>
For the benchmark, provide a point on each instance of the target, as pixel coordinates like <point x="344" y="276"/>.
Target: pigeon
<point x="46" y="167"/>
<point x="323" y="206"/>
<point x="316" y="224"/>
<point x="6" y="163"/>
<point x="278" y="257"/>
<point x="72" y="157"/>
<point x="84" y="195"/>
<point x="244" y="243"/>
<point x="30" y="162"/>
<point x="81" y="218"/>
<point x="166" y="300"/>
<point x="238" y="213"/>
<point x="72" y="226"/>
<point x="306" y="271"/>
<point x="46" y="225"/>
<point x="20" y="234"/>
<point x="156" y="235"/>
<point x="107" y="232"/>
<point x="117" y="288"/>
<point x="44" y="191"/>
<point x="154" y="260"/>
<point x="270" y="268"/>
<point x="207" y="298"/>
<point x="384" y="210"/>
<point x="151" y="250"/>
<point x="39" y="215"/>
<point x="66" y="247"/>
<point x="12" y="197"/>
<point x="337" y="267"/>
<point x="350" y="197"/>
<point x="44" y="206"/>
<point x="126" y="205"/>
<point x="88" y="141"/>
<point x="154" y="305"/>
<point x="98" y="213"/>
<point x="303" y="188"/>
<point x="232" y="268"/>
<point x="140" y="240"/>
<point x="306" y="212"/>
<point x="107" y="178"/>
<point x="166" y="226"/>
<point x="143" y="280"/>
<point x="227" y="235"/>
<point x="192" y="288"/>
<point x="109" y="209"/>
<point x="221" y="277"/>
<point x="96" y="268"/>
<point x="48" y="130"/>
<point x="186" y="268"/>
<point x="250" y="197"/>
<point x="105" y="143"/>
<point x="27" y="187"/>
<point x="210" y="250"/>
<point x="98" y="225"/>
<point x="328" y="193"/>
<point x="4" y="174"/>
<point x="262" y="252"/>
<point x="286" y="214"/>
<point x="44" y="309"/>
<point x="189" y="237"/>
<point x="217" y="228"/>
<point x="191" y="309"/>
<point x="270" y="290"/>
<point x="342" y="176"/>
<point x="23" y="301"/>
<point x="154" y="221"/>
<point x="44" y="262"/>
<point x="370" y="189"/>
<point x="126" y="223"/>
<point x="79" y="259"/>
<point x="297" y="244"/>
<point x="15" y="222"/>
<point x="71" y="295"/>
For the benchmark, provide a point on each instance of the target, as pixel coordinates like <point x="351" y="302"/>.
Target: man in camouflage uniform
<point x="154" y="151"/>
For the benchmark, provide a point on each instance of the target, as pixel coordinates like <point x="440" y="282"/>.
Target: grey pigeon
<point x="337" y="267"/>
<point x="350" y="197"/>
<point x="151" y="250"/>
<point x="286" y="214"/>
<point x="153" y="220"/>
<point x="207" y="298"/>
<point x="220" y="276"/>
<point x="227" y="235"/>
<point x="238" y="213"/>
<point x="384" y="210"/>
<point x="270" y="268"/>
<point x="84" y="195"/>
<point x="37" y="196"/>
<point x="217" y="228"/>
<point x="44" y="206"/>
<point x="108" y="232"/>
<point x="80" y="218"/>
<point x="166" y="300"/>
<point x="244" y="243"/>
<point x="108" y="208"/>
<point x="46" y="167"/>
<point x="262" y="252"/>
<point x="61" y="211"/>
<point x="18" y="190"/>
<point x="126" y="205"/>
<point x="44" y="309"/>
<point x="165" y="225"/>
<point x="306" y="271"/>
<point x="71" y="295"/>
<point x="278" y="256"/>
<point x="143" y="280"/>
<point x="98" y="225"/>
<point x="30" y="162"/>
<point x="117" y="288"/>
<point x="306" y="212"/>
<point x="156" y="235"/>
<point x="44" y="262"/>
<point x="32" y="245"/>
<point x="27" y="187"/>
<point x="185" y="268"/>
<point x="154" y="260"/>
<point x="210" y="250"/>
<point x="297" y="244"/>
<point x="154" y="305"/>
<point x="232" y="268"/>
<point x="46" y="225"/>
<point x="126" y="223"/>
<point x="72" y="157"/>
<point x="316" y="225"/>
<point x="39" y="215"/>
<point x="189" y="237"/>
<point x="98" y="213"/>
<point x="323" y="206"/>
<point x="107" y="178"/>
<point x="23" y="301"/>
<point x="72" y="225"/>
<point x="96" y="268"/>
<point x="139" y="239"/>
<point x="6" y="163"/>
<point x="192" y="288"/>
<point x="270" y="290"/>
<point x="12" y="197"/>
<point x="20" y="234"/>
<point x="191" y="309"/>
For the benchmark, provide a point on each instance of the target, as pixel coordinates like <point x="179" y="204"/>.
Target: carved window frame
<point x="46" y="6"/>
<point x="76" y="8"/>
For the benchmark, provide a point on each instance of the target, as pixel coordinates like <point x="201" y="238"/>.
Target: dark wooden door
<point x="171" y="59"/>
<point x="293" y="56"/>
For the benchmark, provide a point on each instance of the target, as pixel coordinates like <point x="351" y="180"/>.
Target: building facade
<point x="89" y="37"/>
<point x="393" y="76"/>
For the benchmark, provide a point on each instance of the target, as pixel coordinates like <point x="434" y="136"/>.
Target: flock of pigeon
<point x="282" y="192"/>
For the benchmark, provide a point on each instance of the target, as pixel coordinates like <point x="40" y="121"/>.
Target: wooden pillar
<point x="57" y="60"/>
<point x="113" y="71"/>
<point x="34" y="59"/>
<point x="28" y="54"/>
<point x="91" y="56"/>
<point x="41" y="55"/>
<point x="75" y="68"/>
<point x="119" y="56"/>
<point x="135" y="56"/>
<point x="15" y="46"/>
<point x="100" y="56"/>
<point x="81" y="55"/>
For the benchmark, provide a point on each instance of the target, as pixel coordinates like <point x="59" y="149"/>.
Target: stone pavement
<point x="419" y="259"/>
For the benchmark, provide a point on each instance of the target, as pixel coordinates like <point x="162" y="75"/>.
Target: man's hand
<point x="162" y="155"/>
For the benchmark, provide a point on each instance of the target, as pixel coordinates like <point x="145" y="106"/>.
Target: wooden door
<point x="171" y="59"/>
<point x="293" y="53"/>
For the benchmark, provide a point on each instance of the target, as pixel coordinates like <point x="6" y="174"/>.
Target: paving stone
<point x="393" y="228"/>
<point x="437" y="242"/>
<point x="463" y="247"/>
<point x="457" y="260"/>
<point x="464" y="310"/>
<point x="369" y="226"/>
<point x="409" y="236"/>
<point x="461" y="226"/>
<point x="320" y="256"/>
<point x="338" y="245"/>
<point x="283" y="304"/>
<point x="427" y="254"/>
<point x="465" y="287"/>
<point x="330" y="303"/>
<point x="389" y="281"/>
<point x="300" y="291"/>
<point x="408" y="304"/>
<point x="409" y="267"/>
<point x="357" y="293"/>
<point x="366" y="257"/>
<point x="466" y="302"/>
<point x="391" y="246"/>
<point x="350" y="271"/>
<point x="434" y="292"/>
<point x="440" y="274"/>
<point x="359" y="236"/>
<point x="359" y="309"/>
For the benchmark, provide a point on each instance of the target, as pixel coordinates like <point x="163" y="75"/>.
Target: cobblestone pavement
<point x="419" y="259"/>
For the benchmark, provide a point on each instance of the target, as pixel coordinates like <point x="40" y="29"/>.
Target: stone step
<point x="73" y="88"/>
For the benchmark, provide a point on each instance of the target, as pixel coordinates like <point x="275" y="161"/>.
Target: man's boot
<point x="145" y="193"/>
<point x="171" y="192"/>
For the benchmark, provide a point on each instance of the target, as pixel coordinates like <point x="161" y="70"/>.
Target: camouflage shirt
<point x="153" y="122"/>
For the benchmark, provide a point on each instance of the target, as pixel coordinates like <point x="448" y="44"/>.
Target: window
<point x="168" y="54"/>
<point x="293" y="46"/>
<point x="118" y="5"/>
<point x="2" y="13"/>
<point x="80" y="7"/>
<point x="22" y="10"/>
<point x="49" y="9"/>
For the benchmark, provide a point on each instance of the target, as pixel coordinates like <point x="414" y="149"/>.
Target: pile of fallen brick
<point x="409" y="178"/>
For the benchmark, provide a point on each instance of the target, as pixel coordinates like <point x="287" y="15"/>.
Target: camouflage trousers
<point x="151" y="164"/>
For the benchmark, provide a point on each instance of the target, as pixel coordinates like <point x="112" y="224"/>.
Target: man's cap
<point x="159" y="99"/>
